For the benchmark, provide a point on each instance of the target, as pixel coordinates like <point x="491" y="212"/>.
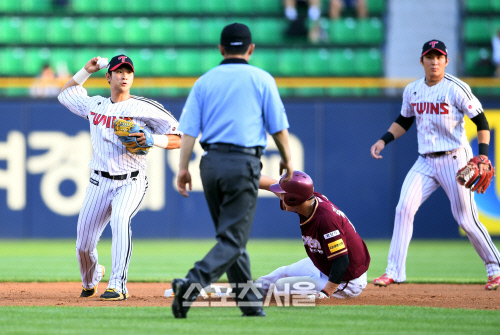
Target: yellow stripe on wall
<point x="98" y="81"/>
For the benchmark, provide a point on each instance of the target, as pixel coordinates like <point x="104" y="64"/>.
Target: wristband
<point x="160" y="141"/>
<point x="81" y="76"/>
<point x="483" y="149"/>
<point x="388" y="137"/>
<point x="325" y="293"/>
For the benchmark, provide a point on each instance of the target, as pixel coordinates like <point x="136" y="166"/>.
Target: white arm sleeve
<point x="406" y="108"/>
<point x="161" y="121"/>
<point x="75" y="98"/>
<point x="466" y="102"/>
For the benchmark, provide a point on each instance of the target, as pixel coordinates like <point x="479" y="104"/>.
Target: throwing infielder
<point x="439" y="102"/>
<point x="338" y="257"/>
<point x="118" y="181"/>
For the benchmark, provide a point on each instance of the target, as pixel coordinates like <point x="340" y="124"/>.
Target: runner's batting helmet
<point x="297" y="190"/>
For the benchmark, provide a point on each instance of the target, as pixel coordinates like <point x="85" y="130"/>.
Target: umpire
<point x="232" y="105"/>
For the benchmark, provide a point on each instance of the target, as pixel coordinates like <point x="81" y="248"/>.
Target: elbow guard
<point x="405" y="122"/>
<point x="481" y="122"/>
<point x="339" y="267"/>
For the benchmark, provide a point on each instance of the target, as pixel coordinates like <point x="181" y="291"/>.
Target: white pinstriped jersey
<point x="110" y="154"/>
<point x="439" y="111"/>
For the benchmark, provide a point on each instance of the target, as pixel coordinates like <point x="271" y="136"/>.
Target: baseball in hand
<point x="102" y="62"/>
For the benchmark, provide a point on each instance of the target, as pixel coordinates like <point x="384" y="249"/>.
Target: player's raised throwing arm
<point x="396" y="130"/>
<point x="76" y="99"/>
<point x="92" y="66"/>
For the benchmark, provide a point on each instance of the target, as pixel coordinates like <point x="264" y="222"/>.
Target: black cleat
<point x="87" y="293"/>
<point x="112" y="294"/>
<point x="180" y="305"/>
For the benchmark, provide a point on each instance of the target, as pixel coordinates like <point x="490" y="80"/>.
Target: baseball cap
<point x="118" y="61"/>
<point x="236" y="35"/>
<point x="434" y="45"/>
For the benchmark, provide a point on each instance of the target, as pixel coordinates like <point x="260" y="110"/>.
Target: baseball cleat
<point x="384" y="281"/>
<point x="181" y="304"/>
<point x="112" y="294"/>
<point x="493" y="282"/>
<point x="87" y="293"/>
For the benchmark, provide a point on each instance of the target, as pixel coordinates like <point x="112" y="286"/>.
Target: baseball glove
<point x="470" y="177"/>
<point x="124" y="128"/>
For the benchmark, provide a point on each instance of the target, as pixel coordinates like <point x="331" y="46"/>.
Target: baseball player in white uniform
<point x="438" y="101"/>
<point x="118" y="181"/>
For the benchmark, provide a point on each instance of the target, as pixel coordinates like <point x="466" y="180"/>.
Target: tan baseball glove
<point x="470" y="177"/>
<point x="123" y="128"/>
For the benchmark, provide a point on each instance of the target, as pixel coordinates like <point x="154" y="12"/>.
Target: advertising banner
<point x="45" y="151"/>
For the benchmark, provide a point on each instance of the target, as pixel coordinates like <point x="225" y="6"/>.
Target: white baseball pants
<point x="426" y="175"/>
<point x="304" y="271"/>
<point x="116" y="202"/>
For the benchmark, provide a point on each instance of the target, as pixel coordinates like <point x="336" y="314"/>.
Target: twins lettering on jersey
<point x="430" y="108"/>
<point x="106" y="120"/>
<point x="312" y="243"/>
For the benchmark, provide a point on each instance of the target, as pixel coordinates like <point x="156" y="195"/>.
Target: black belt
<point x="438" y="154"/>
<point x="224" y="147"/>
<point x="120" y="177"/>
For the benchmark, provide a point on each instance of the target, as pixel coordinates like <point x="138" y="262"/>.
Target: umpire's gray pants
<point x="230" y="182"/>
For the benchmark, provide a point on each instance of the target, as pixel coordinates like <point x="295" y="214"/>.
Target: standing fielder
<point x="439" y="102"/>
<point x="118" y="181"/>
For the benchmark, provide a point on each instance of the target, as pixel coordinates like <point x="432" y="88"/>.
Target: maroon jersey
<point x="328" y="234"/>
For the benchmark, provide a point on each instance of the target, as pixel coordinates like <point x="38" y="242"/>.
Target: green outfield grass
<point x="161" y="260"/>
<point x="429" y="261"/>
<point x="293" y="320"/>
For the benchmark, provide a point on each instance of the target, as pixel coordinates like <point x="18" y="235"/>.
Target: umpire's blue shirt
<point x="234" y="103"/>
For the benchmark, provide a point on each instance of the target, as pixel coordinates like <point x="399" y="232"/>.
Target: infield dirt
<point x="152" y="294"/>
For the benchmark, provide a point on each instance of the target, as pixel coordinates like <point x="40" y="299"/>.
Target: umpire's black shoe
<point x="259" y="312"/>
<point x="181" y="304"/>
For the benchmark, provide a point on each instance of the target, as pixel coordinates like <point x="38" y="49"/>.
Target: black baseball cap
<point x="434" y="45"/>
<point x="236" y="35"/>
<point x="118" y="61"/>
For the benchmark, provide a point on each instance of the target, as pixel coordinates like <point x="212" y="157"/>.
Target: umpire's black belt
<point x="438" y="154"/>
<point x="224" y="147"/>
<point x="120" y="177"/>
